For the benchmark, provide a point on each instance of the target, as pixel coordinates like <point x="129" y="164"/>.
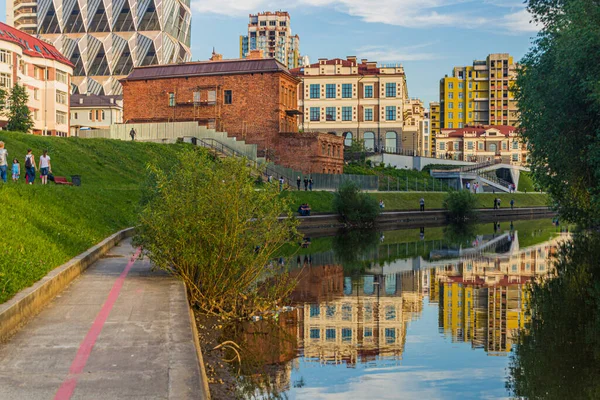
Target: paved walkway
<point x="119" y="331"/>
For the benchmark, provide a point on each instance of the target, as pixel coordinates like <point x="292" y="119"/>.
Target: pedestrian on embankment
<point x="422" y="204"/>
<point x="45" y="167"/>
<point x="306" y="184"/>
<point x="281" y="181"/>
<point x="298" y="182"/>
<point x="30" y="167"/>
<point x="3" y="162"/>
<point x="512" y="204"/>
<point x="16" y="170"/>
<point x="310" y="184"/>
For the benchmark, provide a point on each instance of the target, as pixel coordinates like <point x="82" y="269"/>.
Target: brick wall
<point x="257" y="112"/>
<point x="310" y="152"/>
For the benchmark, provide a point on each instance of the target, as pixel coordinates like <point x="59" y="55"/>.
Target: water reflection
<point x="398" y="308"/>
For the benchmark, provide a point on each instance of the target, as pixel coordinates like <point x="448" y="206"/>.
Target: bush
<point x="208" y="225"/>
<point x="461" y="206"/>
<point x="355" y="207"/>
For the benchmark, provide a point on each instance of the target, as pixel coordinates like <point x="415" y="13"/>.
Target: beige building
<point x="44" y="72"/>
<point x="95" y="112"/>
<point x="482" y="143"/>
<point x="271" y="32"/>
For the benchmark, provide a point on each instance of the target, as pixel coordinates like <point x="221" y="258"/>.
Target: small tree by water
<point x="206" y="223"/>
<point x="460" y="206"/>
<point x="355" y="207"/>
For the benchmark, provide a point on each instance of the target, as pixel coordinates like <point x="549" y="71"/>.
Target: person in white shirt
<point x="45" y="167"/>
<point x="3" y="162"/>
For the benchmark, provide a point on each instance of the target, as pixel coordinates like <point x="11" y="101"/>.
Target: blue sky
<point x="428" y="37"/>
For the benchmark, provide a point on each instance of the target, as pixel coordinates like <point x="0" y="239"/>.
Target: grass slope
<point x="44" y="226"/>
<point x="400" y="201"/>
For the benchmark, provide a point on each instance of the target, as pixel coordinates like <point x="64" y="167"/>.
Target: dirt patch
<point x="221" y="380"/>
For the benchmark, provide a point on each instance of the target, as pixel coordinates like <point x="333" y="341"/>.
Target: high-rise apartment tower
<point x="479" y="94"/>
<point x="105" y="39"/>
<point x="271" y="32"/>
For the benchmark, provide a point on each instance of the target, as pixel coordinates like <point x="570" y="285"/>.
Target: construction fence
<point x="324" y="181"/>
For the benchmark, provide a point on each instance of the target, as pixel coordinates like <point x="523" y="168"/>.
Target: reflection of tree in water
<point x="356" y="249"/>
<point x="558" y="356"/>
<point x="266" y="350"/>
<point x="457" y="235"/>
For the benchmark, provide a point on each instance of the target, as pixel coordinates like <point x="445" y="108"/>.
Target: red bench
<point x="61" y="180"/>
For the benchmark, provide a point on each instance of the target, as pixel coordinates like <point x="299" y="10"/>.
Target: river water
<point x="429" y="313"/>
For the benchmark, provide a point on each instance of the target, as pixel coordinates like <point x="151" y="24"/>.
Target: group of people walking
<point x="308" y="183"/>
<point x="30" y="166"/>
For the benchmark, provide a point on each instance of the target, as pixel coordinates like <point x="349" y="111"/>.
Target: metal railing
<point x="492" y="177"/>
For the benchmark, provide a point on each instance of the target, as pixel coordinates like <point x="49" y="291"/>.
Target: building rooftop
<point x="83" y="100"/>
<point x="364" y="67"/>
<point x="478" y="130"/>
<point x="31" y="45"/>
<point x="207" y="68"/>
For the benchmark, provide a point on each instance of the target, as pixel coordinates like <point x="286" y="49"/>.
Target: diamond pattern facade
<point x="105" y="39"/>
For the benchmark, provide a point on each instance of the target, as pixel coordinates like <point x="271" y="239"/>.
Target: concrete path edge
<point x="203" y="376"/>
<point x="27" y="303"/>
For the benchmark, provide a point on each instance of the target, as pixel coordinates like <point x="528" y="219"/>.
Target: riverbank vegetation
<point x="460" y="206"/>
<point x="204" y="222"/>
<point x="45" y="226"/>
<point x="356" y="208"/>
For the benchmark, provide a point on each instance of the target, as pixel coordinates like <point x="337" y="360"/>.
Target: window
<point x="272" y="23"/>
<point x="103" y="115"/>
<point x="456" y="145"/>
<point x="171" y="99"/>
<point x="36" y="115"/>
<point x="61" y="97"/>
<point x="460" y="95"/>
<point x="470" y="85"/>
<point x="315" y="91"/>
<point x="450" y="125"/>
<point x="470" y="115"/>
<point x="390" y="313"/>
<point x="330" y="114"/>
<point x="515" y="145"/>
<point x="315" y="114"/>
<point x="504" y="146"/>
<point x="368" y="332"/>
<point x="346" y="113"/>
<point x="450" y="115"/>
<point x="450" y="106"/>
<point x="91" y="116"/>
<point x="61" y="77"/>
<point x="470" y="145"/>
<point x="347" y="91"/>
<point x="390" y="89"/>
<point x="330" y="91"/>
<point x="368" y="91"/>
<point x="348" y="139"/>
<point x="450" y="95"/>
<point x="460" y="124"/>
<point x="315" y="310"/>
<point x="76" y="116"/>
<point x="515" y="157"/>
<point x="369" y="138"/>
<point x="442" y="146"/>
<point x="346" y="334"/>
<point x="460" y="85"/>
<point x="368" y="114"/>
<point x="480" y="146"/>
<point x="330" y="334"/>
<point x="263" y="23"/>
<point x="390" y="113"/>
<point x="5" y="57"/>
<point x="450" y="85"/>
<point x="228" y="97"/>
<point x="460" y="115"/>
<point x="5" y="81"/>
<point x="390" y="335"/>
<point x="61" y="118"/>
<point x="315" y="333"/>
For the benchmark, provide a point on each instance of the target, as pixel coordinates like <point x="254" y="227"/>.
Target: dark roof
<point x="205" y="68"/>
<point x="31" y="45"/>
<point x="93" y="100"/>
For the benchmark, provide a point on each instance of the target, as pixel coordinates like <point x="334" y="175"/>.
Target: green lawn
<point x="321" y="202"/>
<point x="44" y="226"/>
<point x="526" y="183"/>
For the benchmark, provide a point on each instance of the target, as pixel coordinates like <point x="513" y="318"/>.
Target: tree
<point x="356" y="151"/>
<point x="460" y="206"/>
<point x="558" y="95"/>
<point x="19" y="114"/>
<point x="206" y="223"/>
<point x="355" y="207"/>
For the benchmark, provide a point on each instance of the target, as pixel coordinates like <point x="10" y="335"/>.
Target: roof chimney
<point x="363" y="61"/>
<point x="112" y="100"/>
<point x="215" y="56"/>
<point x="255" y="55"/>
<point x="351" y="58"/>
<point x="81" y="100"/>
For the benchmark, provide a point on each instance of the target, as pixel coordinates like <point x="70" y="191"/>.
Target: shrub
<point x="460" y="206"/>
<point x="208" y="225"/>
<point x="355" y="207"/>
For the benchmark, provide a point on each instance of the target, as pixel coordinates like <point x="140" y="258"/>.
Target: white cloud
<point x="401" y="54"/>
<point x="406" y="13"/>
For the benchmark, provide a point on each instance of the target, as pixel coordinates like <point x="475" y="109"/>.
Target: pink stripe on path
<point x="85" y="349"/>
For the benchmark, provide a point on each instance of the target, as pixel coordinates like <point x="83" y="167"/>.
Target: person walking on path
<point x="496" y="203"/>
<point x="30" y="167"/>
<point x="512" y="204"/>
<point x="45" y="167"/>
<point x="16" y="170"/>
<point x="132" y="134"/>
<point x="310" y="184"/>
<point x="422" y="204"/>
<point x="298" y="181"/>
<point x="281" y="181"/>
<point x="3" y="162"/>
<point x="306" y="184"/>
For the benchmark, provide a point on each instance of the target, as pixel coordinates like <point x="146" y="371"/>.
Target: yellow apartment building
<point x="480" y="94"/>
<point x="434" y="123"/>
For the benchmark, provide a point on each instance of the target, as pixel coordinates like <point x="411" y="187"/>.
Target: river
<point x="429" y="313"/>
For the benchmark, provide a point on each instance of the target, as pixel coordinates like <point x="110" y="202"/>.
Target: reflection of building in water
<point x="368" y="320"/>
<point x="483" y="299"/>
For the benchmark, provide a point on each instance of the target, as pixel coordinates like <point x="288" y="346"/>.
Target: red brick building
<point x="252" y="99"/>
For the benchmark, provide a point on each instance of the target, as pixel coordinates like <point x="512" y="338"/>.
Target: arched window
<point x="347" y="138"/>
<point x="391" y="141"/>
<point x="369" y="141"/>
<point x="493" y="147"/>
